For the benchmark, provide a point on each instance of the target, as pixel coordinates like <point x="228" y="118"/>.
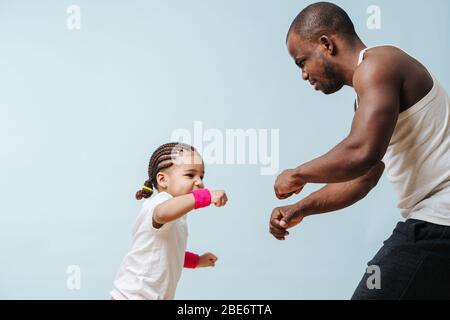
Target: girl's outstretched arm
<point x="172" y="209"/>
<point x="177" y="207"/>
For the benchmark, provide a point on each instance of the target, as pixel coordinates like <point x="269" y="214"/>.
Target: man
<point x="402" y="120"/>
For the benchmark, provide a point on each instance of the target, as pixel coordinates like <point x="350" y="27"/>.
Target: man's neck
<point x="350" y="61"/>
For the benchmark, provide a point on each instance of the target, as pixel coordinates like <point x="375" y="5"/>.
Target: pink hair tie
<point x="202" y="198"/>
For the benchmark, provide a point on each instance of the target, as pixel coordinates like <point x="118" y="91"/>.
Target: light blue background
<point x="82" y="111"/>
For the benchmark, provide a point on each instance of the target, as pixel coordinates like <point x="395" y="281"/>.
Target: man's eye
<point x="189" y="175"/>
<point x="300" y="63"/>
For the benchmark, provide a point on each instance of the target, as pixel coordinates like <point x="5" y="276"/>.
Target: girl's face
<point x="185" y="175"/>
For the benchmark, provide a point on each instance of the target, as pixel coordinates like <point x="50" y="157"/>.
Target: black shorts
<point x="414" y="263"/>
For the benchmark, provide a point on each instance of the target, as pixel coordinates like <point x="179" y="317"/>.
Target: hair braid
<point x="162" y="158"/>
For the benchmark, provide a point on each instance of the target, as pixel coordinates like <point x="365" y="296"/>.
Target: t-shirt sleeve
<point x="160" y="198"/>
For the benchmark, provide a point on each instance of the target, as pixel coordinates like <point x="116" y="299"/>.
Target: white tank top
<point x="418" y="158"/>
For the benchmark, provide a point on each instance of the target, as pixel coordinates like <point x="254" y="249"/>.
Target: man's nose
<point x="305" y="76"/>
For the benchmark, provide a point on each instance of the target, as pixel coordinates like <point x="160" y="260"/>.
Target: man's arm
<point x="337" y="196"/>
<point x="378" y="87"/>
<point x="330" y="198"/>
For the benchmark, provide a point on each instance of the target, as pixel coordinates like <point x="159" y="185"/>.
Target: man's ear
<point x="327" y="45"/>
<point x="162" y="179"/>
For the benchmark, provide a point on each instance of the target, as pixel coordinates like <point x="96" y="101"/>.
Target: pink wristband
<point x="191" y="260"/>
<point x="202" y="198"/>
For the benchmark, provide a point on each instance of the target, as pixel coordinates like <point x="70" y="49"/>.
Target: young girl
<point x="153" y="266"/>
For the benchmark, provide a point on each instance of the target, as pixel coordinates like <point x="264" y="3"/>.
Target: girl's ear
<point x="162" y="179"/>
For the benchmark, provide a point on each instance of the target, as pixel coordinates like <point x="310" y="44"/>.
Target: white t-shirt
<point x="153" y="266"/>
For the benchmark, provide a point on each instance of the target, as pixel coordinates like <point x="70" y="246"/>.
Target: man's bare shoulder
<point x="381" y="65"/>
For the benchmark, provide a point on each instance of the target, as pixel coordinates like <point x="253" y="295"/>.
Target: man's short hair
<point x="322" y="18"/>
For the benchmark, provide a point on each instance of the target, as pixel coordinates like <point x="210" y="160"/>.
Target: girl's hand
<point x="207" y="260"/>
<point x="218" y="198"/>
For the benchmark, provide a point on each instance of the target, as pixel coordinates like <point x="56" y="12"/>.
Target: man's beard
<point x="334" y="82"/>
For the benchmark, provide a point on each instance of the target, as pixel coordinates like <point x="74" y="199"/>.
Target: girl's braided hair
<point x="161" y="159"/>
